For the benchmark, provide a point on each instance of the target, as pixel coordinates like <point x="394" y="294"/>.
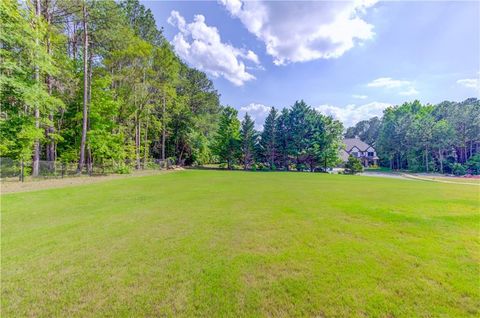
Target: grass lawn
<point x="230" y="244"/>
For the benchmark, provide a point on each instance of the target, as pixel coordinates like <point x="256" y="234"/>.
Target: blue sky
<point x="347" y="59"/>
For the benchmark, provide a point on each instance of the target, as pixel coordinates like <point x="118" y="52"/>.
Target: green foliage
<point x="353" y="165"/>
<point x="123" y="169"/>
<point x="458" y="169"/>
<point x="248" y="140"/>
<point x="365" y="130"/>
<point x="227" y="140"/>
<point x="425" y="137"/>
<point x="473" y="164"/>
<point x="268" y="144"/>
<point x="131" y="69"/>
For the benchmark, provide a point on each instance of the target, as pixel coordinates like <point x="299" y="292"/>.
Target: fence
<point x="13" y="170"/>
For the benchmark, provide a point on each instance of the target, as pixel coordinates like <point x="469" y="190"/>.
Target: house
<point x="359" y="149"/>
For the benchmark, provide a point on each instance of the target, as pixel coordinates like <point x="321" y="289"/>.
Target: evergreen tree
<point x="353" y="165"/>
<point x="283" y="139"/>
<point x="268" y="141"/>
<point x="248" y="141"/>
<point x="299" y="128"/>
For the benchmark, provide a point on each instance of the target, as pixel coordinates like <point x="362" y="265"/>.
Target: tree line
<point x="441" y="138"/>
<point x="95" y="81"/>
<point x="298" y="138"/>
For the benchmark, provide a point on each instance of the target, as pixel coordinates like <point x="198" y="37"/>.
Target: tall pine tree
<point x="248" y="139"/>
<point x="267" y="143"/>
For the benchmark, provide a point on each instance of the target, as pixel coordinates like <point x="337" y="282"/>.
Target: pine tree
<point x="283" y="139"/>
<point x="267" y="143"/>
<point x="248" y="141"/>
<point x="353" y="165"/>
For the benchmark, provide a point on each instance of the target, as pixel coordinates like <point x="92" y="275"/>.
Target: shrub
<point x="301" y="167"/>
<point x="473" y="164"/>
<point x="458" y="169"/>
<point x="122" y="169"/>
<point x="353" y="165"/>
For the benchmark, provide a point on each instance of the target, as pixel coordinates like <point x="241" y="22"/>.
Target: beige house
<point x="359" y="149"/>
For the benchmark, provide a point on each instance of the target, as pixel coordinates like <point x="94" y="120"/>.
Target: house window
<point x="355" y="154"/>
<point x="370" y="153"/>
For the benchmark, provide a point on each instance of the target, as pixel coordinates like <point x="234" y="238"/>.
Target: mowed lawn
<point x="243" y="244"/>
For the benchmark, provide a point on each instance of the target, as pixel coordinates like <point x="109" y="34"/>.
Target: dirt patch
<point x="452" y="180"/>
<point x="383" y="174"/>
<point x="42" y="184"/>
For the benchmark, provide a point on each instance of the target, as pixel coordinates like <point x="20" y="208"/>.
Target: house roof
<point x="355" y="142"/>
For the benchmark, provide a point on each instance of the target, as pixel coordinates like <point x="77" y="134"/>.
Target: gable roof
<point x="355" y="142"/>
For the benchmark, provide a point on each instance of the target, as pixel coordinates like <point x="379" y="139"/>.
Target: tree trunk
<point x="145" y="150"/>
<point x="36" y="145"/>
<point x="180" y="157"/>
<point x="89" y="99"/>
<point x="81" y="160"/>
<point x="426" y="159"/>
<point x="163" y="128"/>
<point x="440" y="159"/>
<point x="50" y="151"/>
<point x="137" y="141"/>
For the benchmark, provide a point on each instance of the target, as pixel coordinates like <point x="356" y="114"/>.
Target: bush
<point x="273" y="167"/>
<point x="353" y="165"/>
<point x="301" y="167"/>
<point x="473" y="164"/>
<point x="122" y="169"/>
<point x="458" y="169"/>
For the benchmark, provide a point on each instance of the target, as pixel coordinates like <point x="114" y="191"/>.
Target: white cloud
<point x="352" y="114"/>
<point x="387" y="82"/>
<point x="469" y="82"/>
<point x="258" y="112"/>
<point x="410" y="91"/>
<point x="304" y="31"/>
<point x="390" y="83"/>
<point x="201" y="46"/>
<point x="359" y="96"/>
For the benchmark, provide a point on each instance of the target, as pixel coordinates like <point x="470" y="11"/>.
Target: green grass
<point x="231" y="244"/>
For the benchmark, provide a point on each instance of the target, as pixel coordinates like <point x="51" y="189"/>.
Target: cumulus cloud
<point x="202" y="47"/>
<point x="304" y="31"/>
<point x="469" y="82"/>
<point x="258" y="112"/>
<point x="406" y="87"/>
<point x="352" y="114"/>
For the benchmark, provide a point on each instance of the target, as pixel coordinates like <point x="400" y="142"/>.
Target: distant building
<point x="359" y="149"/>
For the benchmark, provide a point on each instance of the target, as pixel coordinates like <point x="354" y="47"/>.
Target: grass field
<point x="231" y="244"/>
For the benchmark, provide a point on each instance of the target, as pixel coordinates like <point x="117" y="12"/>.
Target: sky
<point x="350" y="60"/>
